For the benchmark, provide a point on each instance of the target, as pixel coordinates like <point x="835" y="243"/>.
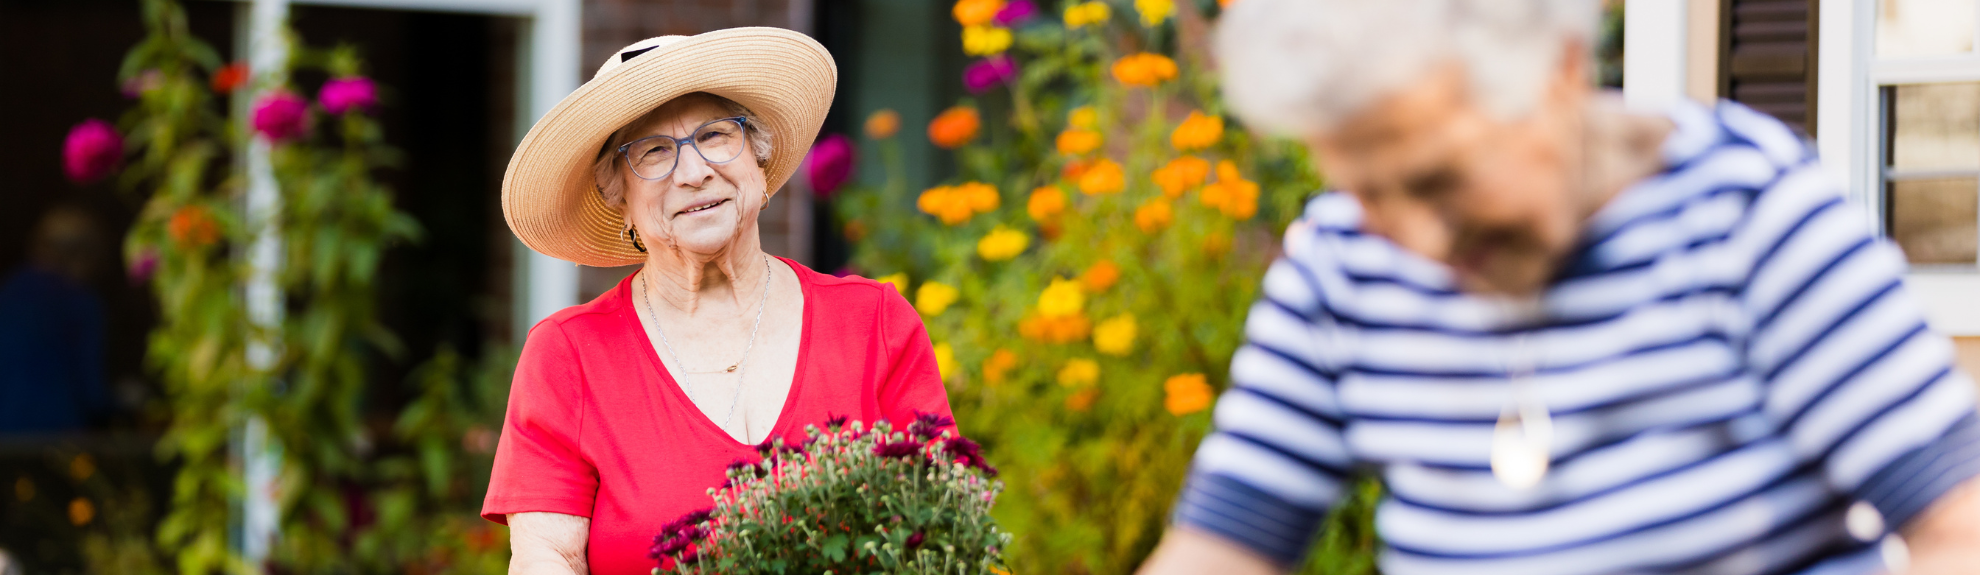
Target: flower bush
<point x="1087" y="316"/>
<point x="847" y="500"/>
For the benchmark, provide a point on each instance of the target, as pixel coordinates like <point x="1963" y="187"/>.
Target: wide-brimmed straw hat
<point x="549" y="195"/>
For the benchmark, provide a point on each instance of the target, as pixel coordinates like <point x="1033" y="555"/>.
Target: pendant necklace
<point x="1523" y="438"/>
<point x="737" y="367"/>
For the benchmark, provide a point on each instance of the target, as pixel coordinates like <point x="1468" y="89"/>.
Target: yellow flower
<point x="976" y="12"/>
<point x="1064" y="297"/>
<point x="1101" y="276"/>
<point x="1154" y="11"/>
<point x="934" y="297"/>
<point x="1181" y="174"/>
<point x="1000" y="363"/>
<point x="1001" y="244"/>
<point x="1197" y="131"/>
<point x="1144" y="69"/>
<point x="1083" y="117"/>
<point x="1187" y="393"/>
<point x="985" y="40"/>
<point x="1082" y="14"/>
<point x="1115" y="336"/>
<point x="898" y="280"/>
<point x="1079" y="372"/>
<point x="1154" y="215"/>
<point x="1076" y="141"/>
<point x="883" y="124"/>
<point x="1055" y="329"/>
<point x="1103" y="176"/>
<point x="1231" y="194"/>
<point x="945" y="359"/>
<point x="1045" y="202"/>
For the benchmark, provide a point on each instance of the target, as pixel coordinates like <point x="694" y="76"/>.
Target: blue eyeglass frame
<point x="742" y="122"/>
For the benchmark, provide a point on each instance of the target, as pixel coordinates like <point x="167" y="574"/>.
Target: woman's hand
<point x="1946" y="537"/>
<point x="548" y="544"/>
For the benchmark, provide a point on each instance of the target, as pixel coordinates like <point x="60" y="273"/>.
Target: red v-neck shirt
<point x="597" y="428"/>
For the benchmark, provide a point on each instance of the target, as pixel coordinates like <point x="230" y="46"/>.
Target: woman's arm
<point x="548" y="544"/>
<point x="1946" y="537"/>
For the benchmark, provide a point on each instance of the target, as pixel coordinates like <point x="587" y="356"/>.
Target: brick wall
<point x="612" y="24"/>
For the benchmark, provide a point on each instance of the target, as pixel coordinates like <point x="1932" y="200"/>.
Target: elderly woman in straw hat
<point x="624" y="411"/>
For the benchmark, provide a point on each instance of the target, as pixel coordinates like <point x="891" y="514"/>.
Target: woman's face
<point x="701" y="207"/>
<point x="1444" y="179"/>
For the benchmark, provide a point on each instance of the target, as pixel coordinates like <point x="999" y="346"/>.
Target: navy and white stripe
<point x="1730" y="360"/>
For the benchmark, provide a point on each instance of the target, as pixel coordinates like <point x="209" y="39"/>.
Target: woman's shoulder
<point x="852" y="295"/>
<point x="601" y="313"/>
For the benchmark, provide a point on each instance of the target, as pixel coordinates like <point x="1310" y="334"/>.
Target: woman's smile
<point x="702" y="206"/>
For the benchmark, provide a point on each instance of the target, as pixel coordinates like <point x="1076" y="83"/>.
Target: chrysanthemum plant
<point x="847" y="500"/>
<point x="1084" y="314"/>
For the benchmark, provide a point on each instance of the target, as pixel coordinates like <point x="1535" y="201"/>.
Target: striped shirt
<point x="1730" y="360"/>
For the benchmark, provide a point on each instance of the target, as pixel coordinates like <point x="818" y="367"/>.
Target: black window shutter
<point x="1767" y="51"/>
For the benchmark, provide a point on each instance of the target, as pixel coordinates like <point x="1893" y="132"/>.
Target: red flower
<point x="192" y="226"/>
<point x="92" y="151"/>
<point x="230" y="77"/>
<point x="901" y="449"/>
<point x="341" y="95"/>
<point x="281" y="116"/>
<point x="829" y="165"/>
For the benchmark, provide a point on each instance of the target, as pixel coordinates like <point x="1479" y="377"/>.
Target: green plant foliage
<point x="848" y="500"/>
<point x="1095" y="457"/>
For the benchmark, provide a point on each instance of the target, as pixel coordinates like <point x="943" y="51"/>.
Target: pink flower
<point x="1014" y="12"/>
<point x="989" y="73"/>
<point x="91" y="151"/>
<point x="281" y="116"/>
<point x="143" y="266"/>
<point x="341" y="95"/>
<point x="829" y="165"/>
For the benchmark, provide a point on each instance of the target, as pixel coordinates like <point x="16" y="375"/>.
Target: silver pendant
<point x="1522" y="441"/>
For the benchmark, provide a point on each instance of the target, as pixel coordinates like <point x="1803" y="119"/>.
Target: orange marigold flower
<point x="1076" y="141"/>
<point x="1045" y="202"/>
<point x="1231" y="194"/>
<point x="955" y="127"/>
<point x="1082" y="400"/>
<point x="1216" y="244"/>
<point x="1187" y="393"/>
<point x="1154" y="215"/>
<point x="1103" y="176"/>
<point x="1055" y="329"/>
<point x="193" y="226"/>
<point x="976" y="12"/>
<point x="883" y="124"/>
<point x="1145" y="69"/>
<point x="948" y="203"/>
<point x="1000" y="363"/>
<point x="980" y="196"/>
<point x="1181" y="174"/>
<point x="1074" y="169"/>
<point x="1101" y="276"/>
<point x="230" y="77"/>
<point x="1197" y="131"/>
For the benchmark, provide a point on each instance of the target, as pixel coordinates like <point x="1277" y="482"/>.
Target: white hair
<point x="604" y="169"/>
<point x="1301" y="67"/>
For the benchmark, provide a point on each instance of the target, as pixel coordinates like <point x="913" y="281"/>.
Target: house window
<point x="1929" y="104"/>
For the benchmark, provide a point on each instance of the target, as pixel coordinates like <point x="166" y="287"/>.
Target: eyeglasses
<point x="655" y="157"/>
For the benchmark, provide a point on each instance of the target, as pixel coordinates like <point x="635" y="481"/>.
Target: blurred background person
<point x="51" y="329"/>
<point x="1569" y="337"/>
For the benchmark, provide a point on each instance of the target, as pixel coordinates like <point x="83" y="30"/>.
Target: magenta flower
<point x="92" y="151"/>
<point x="829" y="165"/>
<point x="143" y="266"/>
<point x="341" y="95"/>
<point x="281" y="116"/>
<point x="989" y="73"/>
<point x="1014" y="12"/>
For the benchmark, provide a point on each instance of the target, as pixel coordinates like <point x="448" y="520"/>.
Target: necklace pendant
<point x="1521" y="446"/>
<point x="731" y="369"/>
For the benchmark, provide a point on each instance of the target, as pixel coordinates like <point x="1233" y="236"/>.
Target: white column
<point x="1653" y="52"/>
<point x="1843" y="99"/>
<point x="261" y="459"/>
<point x="554" y="47"/>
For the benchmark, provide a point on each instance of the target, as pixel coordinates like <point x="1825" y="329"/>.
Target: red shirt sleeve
<point x="538" y="466"/>
<point x="914" y="383"/>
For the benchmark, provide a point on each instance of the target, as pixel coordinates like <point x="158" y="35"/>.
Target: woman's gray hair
<point x="613" y="187"/>
<point x="1301" y="67"/>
